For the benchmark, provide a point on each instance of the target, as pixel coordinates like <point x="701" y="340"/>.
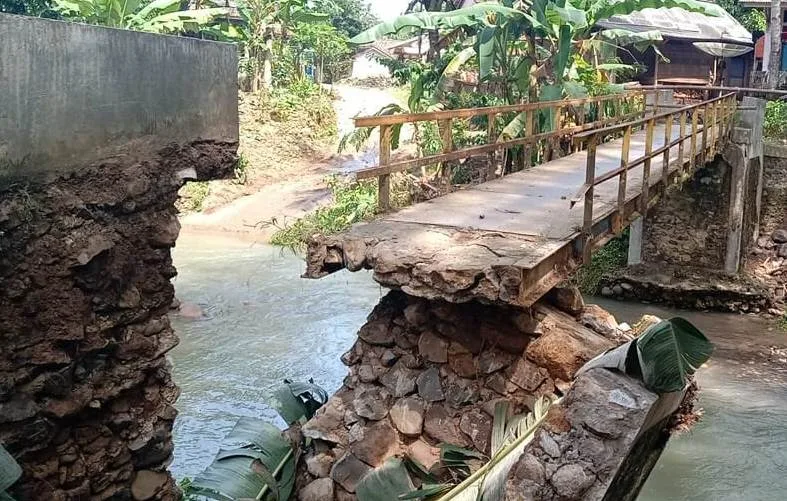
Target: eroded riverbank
<point x="265" y="324"/>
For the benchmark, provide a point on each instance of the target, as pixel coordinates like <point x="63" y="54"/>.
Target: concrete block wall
<point x="73" y="94"/>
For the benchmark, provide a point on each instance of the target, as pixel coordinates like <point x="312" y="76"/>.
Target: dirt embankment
<point x="85" y="389"/>
<point x="287" y="162"/>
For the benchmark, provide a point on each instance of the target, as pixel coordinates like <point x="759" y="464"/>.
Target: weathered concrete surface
<point x="86" y="397"/>
<point x="424" y="372"/>
<point x="506" y="241"/>
<point x="599" y="443"/>
<point x="73" y="94"/>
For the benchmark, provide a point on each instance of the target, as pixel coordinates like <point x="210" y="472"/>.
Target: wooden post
<point x="704" y="151"/>
<point x="667" y="141"/>
<point x="580" y="121"/>
<point x="384" y="181"/>
<point x="446" y="137"/>
<point x="559" y="122"/>
<point x="616" y="105"/>
<point x="529" y="128"/>
<point x="650" y="130"/>
<point x="491" y="137"/>
<point x="694" y="124"/>
<point x="623" y="179"/>
<point x="590" y="177"/>
<point x="682" y="135"/>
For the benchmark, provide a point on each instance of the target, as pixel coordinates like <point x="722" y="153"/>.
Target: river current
<point x="263" y="324"/>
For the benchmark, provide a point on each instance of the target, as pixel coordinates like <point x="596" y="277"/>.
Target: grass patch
<point x="606" y="260"/>
<point x="352" y="202"/>
<point x="192" y="196"/>
<point x="775" y="123"/>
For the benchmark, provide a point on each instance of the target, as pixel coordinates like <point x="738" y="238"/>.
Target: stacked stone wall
<point x="86" y="397"/>
<point x="428" y="372"/>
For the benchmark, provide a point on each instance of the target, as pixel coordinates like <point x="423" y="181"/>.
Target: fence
<point x="703" y="125"/>
<point x="561" y="119"/>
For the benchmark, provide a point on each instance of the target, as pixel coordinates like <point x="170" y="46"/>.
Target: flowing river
<point x="263" y="324"/>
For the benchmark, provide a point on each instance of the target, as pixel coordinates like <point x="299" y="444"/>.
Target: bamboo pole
<point x="623" y="179"/>
<point x="590" y="176"/>
<point x="667" y="141"/>
<point x="649" y="131"/>
<point x="491" y="137"/>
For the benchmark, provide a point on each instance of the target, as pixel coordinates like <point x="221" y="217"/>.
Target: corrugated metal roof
<point x="679" y="23"/>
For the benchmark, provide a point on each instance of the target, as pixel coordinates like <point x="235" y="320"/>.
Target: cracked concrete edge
<point x="432" y="262"/>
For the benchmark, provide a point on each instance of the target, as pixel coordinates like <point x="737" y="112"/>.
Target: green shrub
<point x="775" y="125"/>
<point x="352" y="202"/>
<point x="607" y="259"/>
<point x="241" y="170"/>
<point x="193" y="195"/>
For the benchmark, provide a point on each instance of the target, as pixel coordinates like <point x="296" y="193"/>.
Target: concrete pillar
<point x="736" y="155"/>
<point x="752" y="117"/>
<point x="635" y="242"/>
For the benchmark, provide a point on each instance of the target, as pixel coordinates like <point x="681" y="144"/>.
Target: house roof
<point x="681" y="24"/>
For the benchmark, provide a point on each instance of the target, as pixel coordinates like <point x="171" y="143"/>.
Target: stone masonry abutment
<point x="105" y="126"/>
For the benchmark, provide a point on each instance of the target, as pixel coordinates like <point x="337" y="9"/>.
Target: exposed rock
<point x="527" y="375"/>
<point x="567" y="299"/>
<point x="407" y="414"/>
<point x="400" y="380"/>
<point x="327" y="423"/>
<point x="371" y="402"/>
<point x="424" y="453"/>
<point x="782" y="252"/>
<point x="477" y="426"/>
<point x="417" y="314"/>
<point x="440" y="425"/>
<point x="377" y="332"/>
<point x="367" y="374"/>
<point x="492" y="360"/>
<point x="319" y="465"/>
<point x="348" y="471"/>
<point x="463" y="364"/>
<point x="18" y="409"/>
<point x="500" y="384"/>
<point x="147" y="484"/>
<point x="429" y="386"/>
<point x="548" y="445"/>
<point x="190" y="310"/>
<point x="528" y="323"/>
<point x="388" y="358"/>
<point x="779" y="236"/>
<point x="571" y="481"/>
<point x="607" y="291"/>
<point x="600" y="320"/>
<point x="460" y="391"/>
<point x="380" y="441"/>
<point x="352" y="356"/>
<point x="432" y="347"/>
<point x="318" y="490"/>
<point x="565" y="345"/>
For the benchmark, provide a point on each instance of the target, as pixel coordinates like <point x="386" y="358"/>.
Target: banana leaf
<point x="10" y="471"/>
<point x="604" y="9"/>
<point x="259" y="463"/>
<point x="467" y="16"/>
<point x="664" y="357"/>
<point x="298" y="401"/>
<point x="568" y="15"/>
<point x="385" y="483"/>
<point x="189" y="20"/>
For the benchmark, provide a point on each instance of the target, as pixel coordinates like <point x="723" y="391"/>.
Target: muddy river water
<point x="263" y="324"/>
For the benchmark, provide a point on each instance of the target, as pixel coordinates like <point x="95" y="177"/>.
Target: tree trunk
<point x="775" y="35"/>
<point x="267" y="71"/>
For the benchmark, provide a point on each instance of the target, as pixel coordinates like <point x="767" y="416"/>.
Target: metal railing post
<point x="384" y="180"/>
<point x="587" y="220"/>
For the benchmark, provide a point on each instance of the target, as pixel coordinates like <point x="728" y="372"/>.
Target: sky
<point x="388" y="9"/>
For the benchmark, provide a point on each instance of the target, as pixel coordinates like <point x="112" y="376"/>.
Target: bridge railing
<point x="568" y="118"/>
<point x="703" y="125"/>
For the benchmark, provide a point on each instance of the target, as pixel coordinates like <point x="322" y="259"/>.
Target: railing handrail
<point x="737" y="90"/>
<point x="611" y="129"/>
<point x="402" y="118"/>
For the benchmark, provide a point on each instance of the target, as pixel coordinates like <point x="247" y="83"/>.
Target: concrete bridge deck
<point x="508" y="240"/>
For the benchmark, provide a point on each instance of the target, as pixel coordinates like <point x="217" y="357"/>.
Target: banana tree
<point x="158" y="16"/>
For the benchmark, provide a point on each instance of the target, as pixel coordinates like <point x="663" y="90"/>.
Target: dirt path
<point x="298" y="187"/>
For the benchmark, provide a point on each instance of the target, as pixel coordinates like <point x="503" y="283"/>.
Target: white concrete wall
<point x="71" y="94"/>
<point x="366" y="66"/>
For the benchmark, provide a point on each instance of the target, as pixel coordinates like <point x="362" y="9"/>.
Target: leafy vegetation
<point x="775" y="125"/>
<point x="352" y="202"/>
<point x="258" y="460"/>
<point x="192" y="196"/>
<point x="613" y="256"/>
<point x="664" y="357"/>
<point x="10" y="471"/>
<point x="470" y="475"/>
